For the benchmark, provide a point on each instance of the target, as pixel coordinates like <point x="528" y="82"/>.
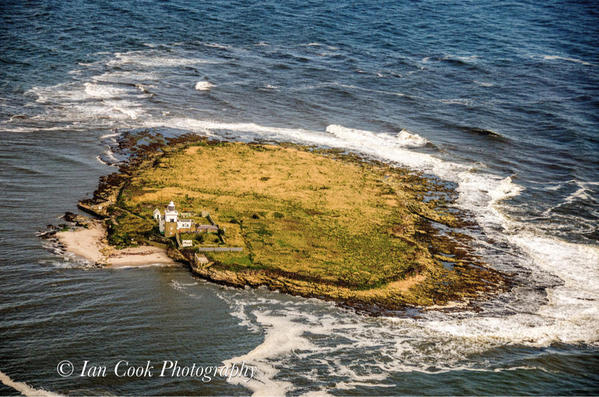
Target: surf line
<point x="24" y="388"/>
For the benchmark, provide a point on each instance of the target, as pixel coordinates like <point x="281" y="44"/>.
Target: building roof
<point x="214" y="227"/>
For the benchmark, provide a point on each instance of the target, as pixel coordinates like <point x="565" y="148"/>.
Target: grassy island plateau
<point x="307" y="221"/>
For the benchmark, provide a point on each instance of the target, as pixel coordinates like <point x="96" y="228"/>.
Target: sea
<point x="498" y="99"/>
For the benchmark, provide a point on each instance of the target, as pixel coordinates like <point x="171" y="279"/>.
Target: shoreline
<point x="88" y="240"/>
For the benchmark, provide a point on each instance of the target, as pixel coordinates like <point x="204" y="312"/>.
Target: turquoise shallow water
<point x="500" y="100"/>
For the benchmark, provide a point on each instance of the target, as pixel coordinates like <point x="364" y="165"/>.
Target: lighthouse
<point x="171" y="216"/>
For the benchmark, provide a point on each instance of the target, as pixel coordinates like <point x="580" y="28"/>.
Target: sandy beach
<point x="90" y="243"/>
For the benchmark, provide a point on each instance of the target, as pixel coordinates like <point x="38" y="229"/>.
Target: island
<point x="309" y="221"/>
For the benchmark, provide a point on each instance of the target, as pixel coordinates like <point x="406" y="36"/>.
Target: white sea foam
<point x="125" y="77"/>
<point x="353" y="87"/>
<point x="203" y="86"/>
<point x="484" y="83"/>
<point x="560" y="58"/>
<point x="58" y="94"/>
<point x="179" y="286"/>
<point x="6" y="128"/>
<point x="464" y="58"/>
<point x="316" y="44"/>
<point x="572" y="311"/>
<point x="112" y="135"/>
<point x="456" y="101"/>
<point x="282" y="337"/>
<point x="403" y="139"/>
<point x="583" y="193"/>
<point x="569" y="316"/>
<point x="24" y="388"/>
<point x="184" y="288"/>
<point x="410" y="139"/>
<point x="217" y="45"/>
<point x="204" y="126"/>
<point x="76" y="103"/>
<point x="157" y="61"/>
<point x="103" y="91"/>
<point x="113" y="161"/>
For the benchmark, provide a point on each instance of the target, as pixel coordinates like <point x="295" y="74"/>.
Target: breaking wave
<point x="403" y="139"/>
<point x="560" y="58"/>
<point x="24" y="388"/>
<point x="203" y="86"/>
<point x="144" y="59"/>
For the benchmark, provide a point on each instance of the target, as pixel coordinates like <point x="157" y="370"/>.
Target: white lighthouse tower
<point x="171" y="214"/>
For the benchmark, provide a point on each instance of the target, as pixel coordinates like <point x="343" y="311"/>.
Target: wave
<point x="396" y="93"/>
<point x="24" y="388"/>
<point x="158" y="61"/>
<point x="282" y="336"/>
<point x="205" y="126"/>
<point x="482" y="132"/>
<point x="7" y="128"/>
<point x="127" y="77"/>
<point x="203" y="86"/>
<point x="457" y="101"/>
<point x="103" y="91"/>
<point x="403" y="139"/>
<point x="484" y="83"/>
<point x="560" y="58"/>
<point x="581" y="192"/>
<point x="316" y="44"/>
<point x="217" y="45"/>
<point x="84" y="102"/>
<point x="108" y="158"/>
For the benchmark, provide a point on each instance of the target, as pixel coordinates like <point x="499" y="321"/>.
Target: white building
<point x="171" y="224"/>
<point x="171" y="214"/>
<point x="184" y="224"/>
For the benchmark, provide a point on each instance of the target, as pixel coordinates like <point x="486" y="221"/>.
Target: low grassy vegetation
<point x="294" y="210"/>
<point x="311" y="222"/>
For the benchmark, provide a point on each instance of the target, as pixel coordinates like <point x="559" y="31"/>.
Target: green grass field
<point x="317" y="218"/>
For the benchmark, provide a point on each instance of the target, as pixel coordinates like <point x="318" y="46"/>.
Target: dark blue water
<point x="500" y="98"/>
